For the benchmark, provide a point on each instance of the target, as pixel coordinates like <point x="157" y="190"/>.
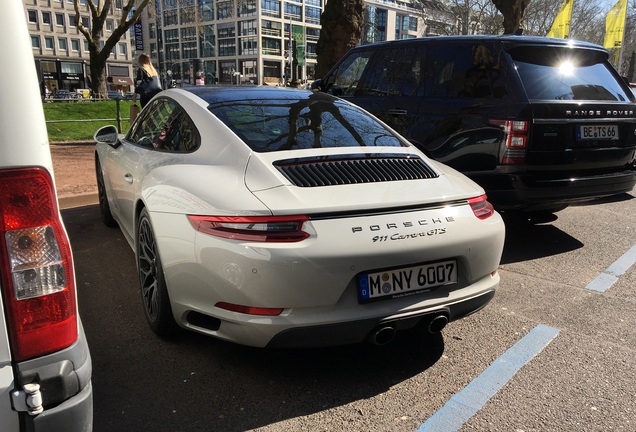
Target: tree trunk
<point x="512" y="11"/>
<point x="341" y="30"/>
<point x="98" y="79"/>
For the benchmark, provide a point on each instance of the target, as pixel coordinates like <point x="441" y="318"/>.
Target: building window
<point x="48" y="43"/>
<point x="59" y="19"/>
<point x="249" y="46"/>
<point x="413" y="24"/>
<point x="224" y="9"/>
<point x="317" y="3"/>
<point x="272" y="69"/>
<point x="247" y="28"/>
<point x="86" y="22"/>
<point x="35" y="41"/>
<point x="152" y="31"/>
<point x="110" y="25"/>
<point x="171" y="36"/>
<point x="71" y="21"/>
<point x="33" y="16"/>
<point x="75" y="45"/>
<point x="270" y="8"/>
<point x="247" y="8"/>
<point x="227" y="47"/>
<point x="206" y="10"/>
<point x="271" y="46"/>
<point x="271" y="28"/>
<point x="293" y="12"/>
<point x="86" y="46"/>
<point x="61" y="44"/>
<point x="46" y="18"/>
<point x="188" y="15"/>
<point x="123" y="49"/>
<point x="248" y="70"/>
<point x="172" y="51"/>
<point x="312" y="15"/>
<point x="170" y="17"/>
<point x="189" y="50"/>
<point x="210" y="71"/>
<point x="208" y="41"/>
<point x="226" y="30"/>
<point x="188" y="34"/>
<point x="227" y="71"/>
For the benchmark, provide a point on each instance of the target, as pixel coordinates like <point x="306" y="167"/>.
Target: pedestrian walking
<point x="148" y="83"/>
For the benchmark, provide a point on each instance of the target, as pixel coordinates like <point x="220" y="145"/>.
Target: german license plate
<point x="407" y="281"/>
<point x="597" y="132"/>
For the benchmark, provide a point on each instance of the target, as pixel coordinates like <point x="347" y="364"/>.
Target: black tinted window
<point x="561" y="73"/>
<point x="465" y="71"/>
<point x="318" y="121"/>
<point x="345" y="79"/>
<point x="393" y="72"/>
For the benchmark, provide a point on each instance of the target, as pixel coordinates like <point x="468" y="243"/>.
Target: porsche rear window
<point x="291" y="124"/>
<point x="563" y="73"/>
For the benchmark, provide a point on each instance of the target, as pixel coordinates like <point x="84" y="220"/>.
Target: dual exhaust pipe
<point x="385" y="333"/>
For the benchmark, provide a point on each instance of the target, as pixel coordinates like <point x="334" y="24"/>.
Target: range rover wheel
<point x="154" y="293"/>
<point x="104" y="208"/>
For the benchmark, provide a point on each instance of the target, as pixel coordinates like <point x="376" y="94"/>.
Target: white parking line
<point x="465" y="404"/>
<point x="606" y="279"/>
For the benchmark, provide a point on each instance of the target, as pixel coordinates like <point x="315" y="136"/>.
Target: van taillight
<point x="38" y="280"/>
<point x="516" y="138"/>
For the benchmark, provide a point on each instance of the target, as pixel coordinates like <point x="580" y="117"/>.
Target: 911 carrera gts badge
<point x="404" y="231"/>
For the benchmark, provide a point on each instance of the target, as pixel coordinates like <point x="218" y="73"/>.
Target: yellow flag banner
<point x="561" y="26"/>
<point x="615" y="24"/>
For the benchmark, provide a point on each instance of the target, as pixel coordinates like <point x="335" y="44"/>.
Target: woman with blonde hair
<point x="148" y="83"/>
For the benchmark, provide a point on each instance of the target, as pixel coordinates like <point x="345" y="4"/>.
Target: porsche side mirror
<point x="317" y="85"/>
<point x="108" y="135"/>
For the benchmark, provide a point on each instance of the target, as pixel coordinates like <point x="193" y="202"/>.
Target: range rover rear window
<point x="563" y="73"/>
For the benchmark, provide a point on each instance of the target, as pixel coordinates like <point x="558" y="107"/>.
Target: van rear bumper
<point x="530" y="192"/>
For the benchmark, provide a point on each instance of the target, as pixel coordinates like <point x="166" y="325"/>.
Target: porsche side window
<point x="346" y="78"/>
<point x="178" y="134"/>
<point x="148" y="131"/>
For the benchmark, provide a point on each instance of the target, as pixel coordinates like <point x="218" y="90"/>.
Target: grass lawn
<point x="84" y="130"/>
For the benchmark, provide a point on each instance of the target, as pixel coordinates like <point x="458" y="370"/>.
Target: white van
<point x="45" y="364"/>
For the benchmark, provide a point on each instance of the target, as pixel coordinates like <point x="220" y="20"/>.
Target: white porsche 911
<point x="285" y="218"/>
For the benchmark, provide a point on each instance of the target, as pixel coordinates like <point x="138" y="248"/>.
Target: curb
<point x="71" y="143"/>
<point x="81" y="200"/>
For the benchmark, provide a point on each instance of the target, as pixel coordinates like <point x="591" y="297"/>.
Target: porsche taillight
<point x="253" y="228"/>
<point x="38" y="280"/>
<point x="515" y="141"/>
<point x="481" y="207"/>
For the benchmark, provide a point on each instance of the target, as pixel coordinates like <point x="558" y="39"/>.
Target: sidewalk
<point x="74" y="167"/>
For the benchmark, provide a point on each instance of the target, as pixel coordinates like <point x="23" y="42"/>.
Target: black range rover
<point x="539" y="123"/>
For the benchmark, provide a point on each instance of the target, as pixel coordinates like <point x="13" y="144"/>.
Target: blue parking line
<point x="606" y="279"/>
<point x="465" y="404"/>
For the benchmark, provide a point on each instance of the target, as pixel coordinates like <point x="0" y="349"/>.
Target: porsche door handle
<point x="397" y="112"/>
<point x="128" y="178"/>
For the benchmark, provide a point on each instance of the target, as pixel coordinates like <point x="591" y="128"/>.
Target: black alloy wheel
<point x="104" y="208"/>
<point x="154" y="293"/>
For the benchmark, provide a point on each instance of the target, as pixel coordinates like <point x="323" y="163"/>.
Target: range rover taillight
<point x="516" y="139"/>
<point x="38" y="280"/>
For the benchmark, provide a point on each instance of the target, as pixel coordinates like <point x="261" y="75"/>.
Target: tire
<point x="152" y="282"/>
<point x="104" y="208"/>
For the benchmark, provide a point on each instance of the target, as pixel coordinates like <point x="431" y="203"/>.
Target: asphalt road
<point x="583" y="380"/>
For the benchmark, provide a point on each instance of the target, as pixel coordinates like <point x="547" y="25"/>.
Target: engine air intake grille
<point x="330" y="171"/>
